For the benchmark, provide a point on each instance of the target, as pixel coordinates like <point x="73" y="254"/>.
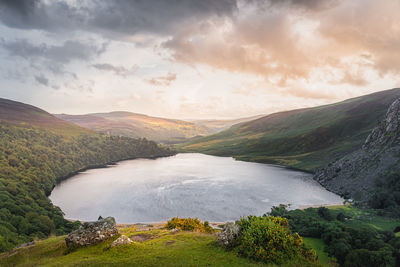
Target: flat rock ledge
<point x="122" y="240"/>
<point x="91" y="233"/>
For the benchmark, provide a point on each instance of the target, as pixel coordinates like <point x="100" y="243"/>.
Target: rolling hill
<point x="136" y="125"/>
<point x="216" y="126"/>
<point x="307" y="139"/>
<point x="27" y="115"/>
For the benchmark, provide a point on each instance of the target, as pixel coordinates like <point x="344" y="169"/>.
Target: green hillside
<point x="36" y="151"/>
<point x="307" y="139"/>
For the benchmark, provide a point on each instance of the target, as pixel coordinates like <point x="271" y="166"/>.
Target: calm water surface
<point x="186" y="185"/>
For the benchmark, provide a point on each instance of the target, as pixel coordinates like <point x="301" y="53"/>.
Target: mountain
<point x="138" y="125"/>
<point x="216" y="126"/>
<point x="372" y="173"/>
<point x="307" y="138"/>
<point x="27" y="115"/>
<point x="37" y="150"/>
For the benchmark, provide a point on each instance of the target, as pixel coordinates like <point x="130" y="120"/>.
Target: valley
<point x="40" y="151"/>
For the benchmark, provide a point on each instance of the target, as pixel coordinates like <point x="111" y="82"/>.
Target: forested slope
<point x="36" y="151"/>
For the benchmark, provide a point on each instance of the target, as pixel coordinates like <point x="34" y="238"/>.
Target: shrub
<point x="341" y="217"/>
<point x="270" y="240"/>
<point x="189" y="224"/>
<point x="325" y="213"/>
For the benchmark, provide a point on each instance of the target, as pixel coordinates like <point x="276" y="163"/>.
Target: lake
<point x="185" y="185"/>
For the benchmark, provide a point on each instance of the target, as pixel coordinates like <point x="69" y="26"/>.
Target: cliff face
<point x="357" y="174"/>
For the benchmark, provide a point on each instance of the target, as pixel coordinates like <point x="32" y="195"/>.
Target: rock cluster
<point x="122" y="240"/>
<point x="92" y="233"/>
<point x="227" y="237"/>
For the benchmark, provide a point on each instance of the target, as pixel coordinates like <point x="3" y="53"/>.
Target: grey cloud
<point x="54" y="56"/>
<point x="37" y="14"/>
<point x="19" y="6"/>
<point x="42" y="80"/>
<point x="111" y="17"/>
<point x="118" y="70"/>
<point x="70" y="50"/>
<point x="304" y="4"/>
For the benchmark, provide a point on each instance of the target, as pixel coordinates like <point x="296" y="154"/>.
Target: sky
<point x="190" y="59"/>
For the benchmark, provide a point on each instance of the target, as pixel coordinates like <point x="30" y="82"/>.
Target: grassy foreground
<point x="163" y="248"/>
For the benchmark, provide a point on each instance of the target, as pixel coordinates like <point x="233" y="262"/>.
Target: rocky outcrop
<point x="122" y="240"/>
<point x="357" y="174"/>
<point x="227" y="237"/>
<point x="387" y="131"/>
<point x="92" y="233"/>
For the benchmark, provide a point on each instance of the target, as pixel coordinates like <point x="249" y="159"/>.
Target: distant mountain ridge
<point x="154" y="128"/>
<point x="307" y="138"/>
<point x="220" y="125"/>
<point x="137" y="126"/>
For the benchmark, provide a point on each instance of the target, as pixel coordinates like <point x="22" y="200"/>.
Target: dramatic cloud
<point x="254" y="56"/>
<point x="111" y="16"/>
<point x="163" y="80"/>
<point x="118" y="70"/>
<point x="283" y="45"/>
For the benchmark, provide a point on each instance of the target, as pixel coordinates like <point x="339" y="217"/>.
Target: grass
<point x="365" y="217"/>
<point x="163" y="249"/>
<point x="318" y="245"/>
<point x="166" y="248"/>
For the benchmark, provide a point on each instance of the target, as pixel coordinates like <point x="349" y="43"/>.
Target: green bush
<point x="270" y="240"/>
<point x="325" y="213"/>
<point x="189" y="224"/>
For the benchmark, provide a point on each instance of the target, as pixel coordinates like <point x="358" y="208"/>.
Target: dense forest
<point x="347" y="238"/>
<point x="33" y="159"/>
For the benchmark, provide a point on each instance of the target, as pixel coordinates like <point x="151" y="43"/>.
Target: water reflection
<point x="195" y="185"/>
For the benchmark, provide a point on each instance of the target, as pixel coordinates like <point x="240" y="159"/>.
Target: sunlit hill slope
<point x="305" y="138"/>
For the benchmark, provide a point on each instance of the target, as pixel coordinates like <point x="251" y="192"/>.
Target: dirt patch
<point x="141" y="237"/>
<point x="168" y="243"/>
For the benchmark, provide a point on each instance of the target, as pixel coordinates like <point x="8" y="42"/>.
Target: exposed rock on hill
<point x="122" y="240"/>
<point x="229" y="234"/>
<point x="92" y="233"/>
<point x="358" y="174"/>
